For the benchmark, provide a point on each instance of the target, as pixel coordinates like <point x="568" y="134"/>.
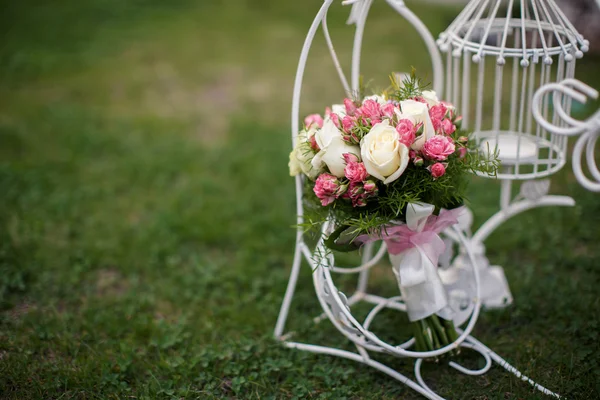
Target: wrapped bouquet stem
<point x="395" y="167"/>
<point x="414" y="248"/>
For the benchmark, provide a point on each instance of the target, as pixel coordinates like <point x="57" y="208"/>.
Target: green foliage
<point x="411" y="86"/>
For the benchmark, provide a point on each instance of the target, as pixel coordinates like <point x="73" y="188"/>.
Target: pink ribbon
<point x="421" y="231"/>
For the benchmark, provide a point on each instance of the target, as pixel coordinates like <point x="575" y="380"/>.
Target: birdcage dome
<point x="516" y="46"/>
<point x="525" y="29"/>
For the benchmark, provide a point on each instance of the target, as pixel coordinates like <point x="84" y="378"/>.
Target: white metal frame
<point x="336" y="307"/>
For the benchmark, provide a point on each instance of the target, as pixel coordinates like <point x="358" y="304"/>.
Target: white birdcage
<point x="508" y="49"/>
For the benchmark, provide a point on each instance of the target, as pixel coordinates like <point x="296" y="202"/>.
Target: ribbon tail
<point x="422" y="289"/>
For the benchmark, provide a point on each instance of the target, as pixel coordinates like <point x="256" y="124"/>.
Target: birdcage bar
<point x="479" y="102"/>
<point x="455" y="80"/>
<point x="466" y="90"/>
<point x="448" y="92"/>
<point x="515" y="77"/>
<point x="334" y="57"/>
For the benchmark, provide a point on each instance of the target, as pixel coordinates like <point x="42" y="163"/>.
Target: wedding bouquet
<point x="395" y="167"/>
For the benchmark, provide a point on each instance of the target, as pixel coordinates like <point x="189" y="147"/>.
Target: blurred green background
<point x="146" y="211"/>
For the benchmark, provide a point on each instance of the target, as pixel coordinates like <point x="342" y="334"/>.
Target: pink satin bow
<point x="399" y="238"/>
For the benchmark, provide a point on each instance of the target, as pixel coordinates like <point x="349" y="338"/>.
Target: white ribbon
<point x="420" y="285"/>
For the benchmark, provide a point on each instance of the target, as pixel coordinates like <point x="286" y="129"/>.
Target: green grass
<point x="146" y="212"/>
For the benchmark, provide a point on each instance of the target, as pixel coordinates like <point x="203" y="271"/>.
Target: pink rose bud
<point x="313" y="119"/>
<point x="438" y="148"/>
<point x="437" y="113"/>
<point x="458" y="121"/>
<point x="418" y="161"/>
<point x="335" y="119"/>
<point x="341" y="190"/>
<point x="313" y="143"/>
<point x="448" y="127"/>
<point x="370" y="188"/>
<point x="350" y="107"/>
<point x="462" y="152"/>
<point x="419" y="129"/>
<point x="357" y="194"/>
<point x="412" y="153"/>
<point x="359" y="201"/>
<point x="348" y="123"/>
<point x="326" y="188"/>
<point x="350" y="158"/>
<point x="463" y="139"/>
<point x="356" y="189"/>
<point x="406" y="132"/>
<point x="437" y="170"/>
<point x="388" y="110"/>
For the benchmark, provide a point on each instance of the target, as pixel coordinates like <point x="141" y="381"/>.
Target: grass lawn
<point x="146" y="212"/>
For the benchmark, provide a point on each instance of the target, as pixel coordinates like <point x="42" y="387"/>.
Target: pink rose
<point x="313" y="119"/>
<point x="406" y="131"/>
<point x="448" y="127"/>
<point x="388" y="110"/>
<point x="313" y="143"/>
<point x="438" y="148"/>
<point x="462" y="152"/>
<point x="326" y="188"/>
<point x="437" y="170"/>
<point x="355" y="172"/>
<point x="370" y="109"/>
<point x="438" y="112"/>
<point x="350" y="107"/>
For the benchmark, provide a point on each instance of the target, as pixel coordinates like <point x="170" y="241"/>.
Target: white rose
<point x="430" y="97"/>
<point x="384" y="156"/>
<point x="302" y="155"/>
<point x="332" y="145"/>
<point x="380" y="99"/>
<point x="420" y="113"/>
<point x="294" y="163"/>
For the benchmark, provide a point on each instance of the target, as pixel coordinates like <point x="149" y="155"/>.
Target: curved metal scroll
<point x="589" y="129"/>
